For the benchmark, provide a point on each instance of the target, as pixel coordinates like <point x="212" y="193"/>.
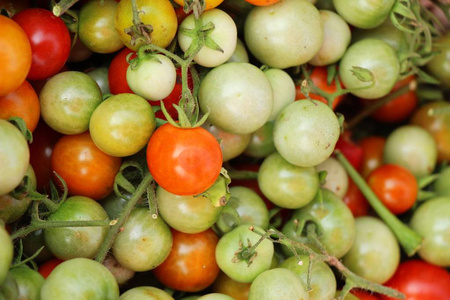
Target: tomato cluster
<point x="224" y="149"/>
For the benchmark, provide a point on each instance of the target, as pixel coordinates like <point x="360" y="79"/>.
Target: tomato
<point x="395" y="186"/>
<point x="225" y="285"/>
<point x="240" y="54"/>
<point x="188" y="214"/>
<point x="191" y="265"/>
<point x="79" y="52"/>
<point x="13" y="207"/>
<point x="96" y="26"/>
<point x="431" y="221"/>
<point x="120" y="273"/>
<point x="319" y="78"/>
<point x="71" y="242"/>
<point x="420" y="280"/>
<point x="87" y="170"/>
<point x="287" y="185"/>
<point x="336" y="39"/>
<point x="283" y="88"/>
<point x="28" y="281"/>
<point x="6" y="254"/>
<point x="412" y="147"/>
<point x="14" y="157"/>
<point x="306" y="133"/>
<point x="144" y="243"/>
<point x="100" y="75"/>
<point x="153" y="78"/>
<point x="68" y="100"/>
<point x="438" y="66"/>
<point x="184" y="161"/>
<point x="215" y="296"/>
<point x="32" y="243"/>
<point x="336" y="179"/>
<point x="224" y="35"/>
<point x="278" y="282"/>
<point x="262" y="2"/>
<point x="350" y="149"/>
<point x="437" y="124"/>
<point x="364" y="14"/>
<point x="355" y="200"/>
<point x="368" y="257"/>
<point x="261" y="142"/>
<point x="143" y="292"/>
<point x="376" y="56"/>
<point x="69" y="280"/>
<point x="222" y="93"/>
<point x="160" y="14"/>
<point x="50" y="41"/>
<point x="442" y="184"/>
<point x="22" y="102"/>
<point x="122" y="125"/>
<point x="286" y="34"/>
<point x="209" y="4"/>
<point x="117" y="72"/>
<point x="372" y="156"/>
<point x="400" y="108"/>
<point x="323" y="281"/>
<point x="47" y="267"/>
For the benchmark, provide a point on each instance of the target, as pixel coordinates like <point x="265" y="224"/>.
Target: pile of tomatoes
<point x="224" y="149"/>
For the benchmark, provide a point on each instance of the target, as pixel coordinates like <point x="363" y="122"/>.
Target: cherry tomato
<point x="355" y="200"/>
<point x="372" y="156"/>
<point x="351" y="150"/>
<point x="208" y="3"/>
<point x="47" y="267"/>
<point x="6" y="253"/>
<point x="15" y="51"/>
<point x="191" y="265"/>
<point x="50" y="41"/>
<point x="117" y="72"/>
<point x="87" y="170"/>
<point x="184" y="161"/>
<point x="225" y="285"/>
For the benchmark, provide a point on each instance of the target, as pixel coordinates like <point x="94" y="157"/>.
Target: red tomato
<point x="420" y="280"/>
<point x="352" y="151"/>
<point x="191" y="265"/>
<point x="319" y="78"/>
<point x="355" y="200"/>
<point x="395" y="186"/>
<point x="15" y="53"/>
<point x="50" y="41"/>
<point x="117" y="73"/>
<point x="46" y="268"/>
<point x="87" y="170"/>
<point x="184" y="161"/>
<point x="373" y="147"/>
<point x="400" y="108"/>
<point x="24" y="103"/>
<point x="44" y="139"/>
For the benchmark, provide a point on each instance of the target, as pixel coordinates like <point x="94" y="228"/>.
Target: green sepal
<point x="219" y="192"/>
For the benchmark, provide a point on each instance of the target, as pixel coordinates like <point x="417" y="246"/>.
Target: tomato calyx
<point x="195" y="6"/>
<point x="246" y="253"/>
<point x="20" y="124"/>
<point x="219" y="192"/>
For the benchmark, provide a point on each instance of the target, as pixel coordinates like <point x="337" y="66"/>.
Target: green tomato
<point x="337" y="178"/>
<point x="439" y="65"/>
<point x="215" y="296"/>
<point x="283" y="88"/>
<point x="261" y="142"/>
<point x="29" y="282"/>
<point x="375" y="254"/>
<point x="250" y="207"/>
<point x="442" y="183"/>
<point x="287" y="185"/>
<point x="6" y="253"/>
<point x="240" y="53"/>
<point x="364" y="13"/>
<point x="432" y="221"/>
<point x="122" y="124"/>
<point x="68" y="100"/>
<point x="145" y="293"/>
<point x="100" y="75"/>
<point x="80" y="279"/>
<point x="71" y="242"/>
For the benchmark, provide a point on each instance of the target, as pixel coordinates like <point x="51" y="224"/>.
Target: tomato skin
<point x="15" y="51"/>
<point x="184" y="161"/>
<point x="225" y="285"/>
<point x="420" y="280"/>
<point x="47" y="267"/>
<point x="29" y="282"/>
<point x="22" y="102"/>
<point x="6" y="254"/>
<point x="372" y="156"/>
<point x="87" y="170"/>
<point x="191" y="265"/>
<point x="117" y="72"/>
<point x="355" y="200"/>
<point x="352" y="151"/>
<point x="50" y="41"/>
<point x="395" y="186"/>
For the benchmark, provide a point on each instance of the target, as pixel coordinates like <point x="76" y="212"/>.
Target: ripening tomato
<point x="352" y="151"/>
<point x="15" y="51"/>
<point x="191" y="265"/>
<point x="184" y="161"/>
<point x="372" y="156"/>
<point x="22" y="102"/>
<point x="50" y="41"/>
<point x="87" y="170"/>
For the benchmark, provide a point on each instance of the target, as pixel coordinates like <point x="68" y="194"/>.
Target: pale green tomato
<point x="336" y="39"/>
<point x="337" y="178"/>
<point x="145" y="293"/>
<point x="375" y="253"/>
<point x="250" y="207"/>
<point x="240" y="53"/>
<point x="286" y="34"/>
<point x="283" y="88"/>
<point x="442" y="183"/>
<point x="439" y="65"/>
<point x="29" y="282"/>
<point x="215" y="296"/>
<point x="364" y="13"/>
<point x="154" y="78"/>
<point x="412" y="147"/>
<point x="238" y="96"/>
<point x="432" y="221"/>
<point x="306" y="133"/>
<point x="261" y="142"/>
<point x="6" y="253"/>
<point x="224" y="35"/>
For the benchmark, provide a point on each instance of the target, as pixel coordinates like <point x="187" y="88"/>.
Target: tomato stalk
<point x="62" y="6"/>
<point x="408" y="238"/>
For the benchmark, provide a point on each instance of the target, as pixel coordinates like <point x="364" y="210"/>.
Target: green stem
<point x="37" y="224"/>
<point x="408" y="238"/>
<point x="114" y="230"/>
<point x="62" y="6"/>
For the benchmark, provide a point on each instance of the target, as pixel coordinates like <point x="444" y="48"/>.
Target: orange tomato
<point x="373" y="147"/>
<point x="209" y="4"/>
<point x="262" y="2"/>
